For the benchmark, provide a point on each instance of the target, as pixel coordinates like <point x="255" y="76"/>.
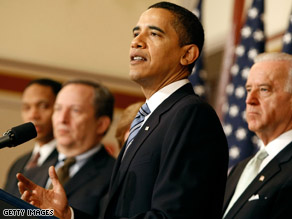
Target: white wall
<point x="94" y="35"/>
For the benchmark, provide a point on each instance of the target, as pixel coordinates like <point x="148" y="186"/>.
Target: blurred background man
<point x="37" y="106"/>
<point x="261" y="186"/>
<point x="82" y="116"/>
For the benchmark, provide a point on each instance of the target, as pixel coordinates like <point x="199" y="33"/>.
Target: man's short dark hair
<point x="54" y="85"/>
<point x="186" y="24"/>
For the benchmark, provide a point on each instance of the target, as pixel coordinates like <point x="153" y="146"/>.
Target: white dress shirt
<point x="157" y="98"/>
<point x="44" y="150"/>
<point x="81" y="159"/>
<point x="275" y="147"/>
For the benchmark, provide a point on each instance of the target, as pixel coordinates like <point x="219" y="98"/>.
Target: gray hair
<point x="278" y="56"/>
<point x="103" y="100"/>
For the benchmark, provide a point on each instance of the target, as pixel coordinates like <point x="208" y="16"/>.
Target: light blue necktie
<point x="247" y="176"/>
<point x="136" y="124"/>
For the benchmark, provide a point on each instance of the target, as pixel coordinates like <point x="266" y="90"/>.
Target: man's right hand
<point x="43" y="198"/>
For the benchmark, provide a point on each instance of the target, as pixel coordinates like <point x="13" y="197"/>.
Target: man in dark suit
<point x="37" y="105"/>
<point x="82" y="115"/>
<point x="269" y="114"/>
<point x="176" y="166"/>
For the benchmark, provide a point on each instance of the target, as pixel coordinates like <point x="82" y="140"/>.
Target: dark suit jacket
<point x="87" y="189"/>
<point x="272" y="190"/>
<point x="176" y="166"/>
<point x="18" y="167"/>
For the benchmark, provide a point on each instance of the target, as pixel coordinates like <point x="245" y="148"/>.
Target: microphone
<point x="18" y="135"/>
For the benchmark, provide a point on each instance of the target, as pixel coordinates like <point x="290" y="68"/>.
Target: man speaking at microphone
<point x="176" y="164"/>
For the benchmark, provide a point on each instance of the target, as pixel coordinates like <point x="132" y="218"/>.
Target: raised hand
<point x="43" y="198"/>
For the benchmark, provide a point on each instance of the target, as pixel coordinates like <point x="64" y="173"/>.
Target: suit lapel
<point x="144" y="132"/>
<point x="273" y="168"/>
<point x="25" y="161"/>
<point x="122" y="166"/>
<point x="40" y="174"/>
<point x="233" y="180"/>
<point x="149" y="126"/>
<point x="87" y="172"/>
<point x="114" y="176"/>
<point x="254" y="187"/>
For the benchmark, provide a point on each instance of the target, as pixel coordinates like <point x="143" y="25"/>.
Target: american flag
<point x="242" y="142"/>
<point x="232" y="40"/>
<point x="198" y="75"/>
<point x="287" y="38"/>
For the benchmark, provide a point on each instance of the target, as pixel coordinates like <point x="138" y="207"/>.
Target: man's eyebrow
<point x="150" y="27"/>
<point x="136" y="28"/>
<point x="156" y="28"/>
<point x="260" y="85"/>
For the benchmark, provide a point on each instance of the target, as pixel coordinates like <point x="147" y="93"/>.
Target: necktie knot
<point x="69" y="161"/>
<point x="144" y="110"/>
<point x="262" y="154"/>
<point x="138" y="121"/>
<point x="63" y="172"/>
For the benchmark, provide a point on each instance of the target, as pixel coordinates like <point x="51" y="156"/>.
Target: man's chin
<point x="64" y="143"/>
<point x="39" y="137"/>
<point x="253" y="127"/>
<point x="133" y="75"/>
<point x="137" y="78"/>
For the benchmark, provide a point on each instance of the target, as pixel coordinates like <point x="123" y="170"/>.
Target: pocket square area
<point x="254" y="197"/>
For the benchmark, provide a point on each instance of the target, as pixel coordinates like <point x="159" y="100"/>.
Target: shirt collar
<point x="82" y="157"/>
<point x="44" y="150"/>
<point x="157" y="98"/>
<point x="278" y="144"/>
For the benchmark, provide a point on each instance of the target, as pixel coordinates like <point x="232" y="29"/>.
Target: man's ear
<point x="191" y="53"/>
<point x="103" y="123"/>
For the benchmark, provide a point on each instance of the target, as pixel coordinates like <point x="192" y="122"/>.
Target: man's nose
<point x="34" y="113"/>
<point x="252" y="97"/>
<point x="138" y="42"/>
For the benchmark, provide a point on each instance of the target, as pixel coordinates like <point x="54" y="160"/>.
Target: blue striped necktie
<point x="136" y="124"/>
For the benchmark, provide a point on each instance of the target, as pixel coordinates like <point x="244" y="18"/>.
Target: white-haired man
<point x="267" y="192"/>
